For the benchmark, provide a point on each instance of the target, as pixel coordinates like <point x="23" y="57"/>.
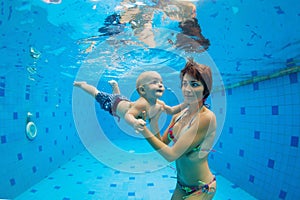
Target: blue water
<point x="81" y="152"/>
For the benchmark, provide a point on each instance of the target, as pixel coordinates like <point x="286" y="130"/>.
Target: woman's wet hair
<point x="200" y="72"/>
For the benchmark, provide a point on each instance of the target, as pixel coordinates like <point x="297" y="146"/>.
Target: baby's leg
<point x="115" y="87"/>
<point x="86" y="87"/>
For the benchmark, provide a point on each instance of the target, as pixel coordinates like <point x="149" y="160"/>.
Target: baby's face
<point x="153" y="85"/>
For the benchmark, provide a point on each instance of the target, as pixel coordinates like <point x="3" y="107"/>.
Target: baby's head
<point x="148" y="77"/>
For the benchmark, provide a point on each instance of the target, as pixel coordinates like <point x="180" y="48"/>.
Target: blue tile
<point x="254" y="73"/>
<point x="15" y="115"/>
<point x="131" y="194"/>
<point x="255" y="86"/>
<point x="271" y="163"/>
<point x="293" y="78"/>
<point x="27" y="96"/>
<point x="290" y="60"/>
<point x="27" y="88"/>
<point x="228" y="166"/>
<point x="57" y="187"/>
<point x="251" y="178"/>
<point x="113" y="185"/>
<point x="241" y="153"/>
<point x="230" y="130"/>
<point x="221" y="145"/>
<point x="243" y="110"/>
<point x="229" y="91"/>
<point x="282" y="194"/>
<point x="257" y="135"/>
<point x="34" y="169"/>
<point x="131" y="178"/>
<point x="33" y="190"/>
<point x="274" y="110"/>
<point x="12" y="181"/>
<point x="91" y="192"/>
<point x="20" y="157"/>
<point x="294" y="141"/>
<point x="2" y="92"/>
<point x="3" y="139"/>
<point x="150" y="184"/>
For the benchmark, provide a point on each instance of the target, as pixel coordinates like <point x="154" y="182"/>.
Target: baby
<point x="150" y="87"/>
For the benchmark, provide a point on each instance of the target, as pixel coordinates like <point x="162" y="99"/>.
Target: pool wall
<point x="259" y="146"/>
<point x="25" y="162"/>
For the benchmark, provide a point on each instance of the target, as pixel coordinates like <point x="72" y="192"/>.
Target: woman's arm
<point x="188" y="140"/>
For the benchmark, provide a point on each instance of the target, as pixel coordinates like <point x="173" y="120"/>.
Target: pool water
<point x="81" y="152"/>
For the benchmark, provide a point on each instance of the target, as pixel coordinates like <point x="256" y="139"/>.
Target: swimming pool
<point x="46" y="46"/>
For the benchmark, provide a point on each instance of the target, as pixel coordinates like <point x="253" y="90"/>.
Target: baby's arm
<point x="174" y="109"/>
<point x="132" y="114"/>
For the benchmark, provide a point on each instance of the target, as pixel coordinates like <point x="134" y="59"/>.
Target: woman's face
<point x="192" y="89"/>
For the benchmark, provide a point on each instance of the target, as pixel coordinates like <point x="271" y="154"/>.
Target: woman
<point x="192" y="131"/>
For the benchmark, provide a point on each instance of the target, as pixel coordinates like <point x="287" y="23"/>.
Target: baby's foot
<point x="113" y="83"/>
<point x="114" y="86"/>
<point x="79" y="83"/>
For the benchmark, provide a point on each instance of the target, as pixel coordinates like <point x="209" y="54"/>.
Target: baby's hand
<point x="139" y="125"/>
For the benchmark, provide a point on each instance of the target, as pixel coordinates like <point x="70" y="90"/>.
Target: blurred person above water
<point x="141" y="19"/>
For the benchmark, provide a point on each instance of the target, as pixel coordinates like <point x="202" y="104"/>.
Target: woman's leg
<point x="178" y="194"/>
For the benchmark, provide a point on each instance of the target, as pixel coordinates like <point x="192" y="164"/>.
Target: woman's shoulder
<point x="208" y="116"/>
<point x="208" y="113"/>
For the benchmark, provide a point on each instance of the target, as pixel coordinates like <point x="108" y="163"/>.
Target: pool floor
<point x="84" y="177"/>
